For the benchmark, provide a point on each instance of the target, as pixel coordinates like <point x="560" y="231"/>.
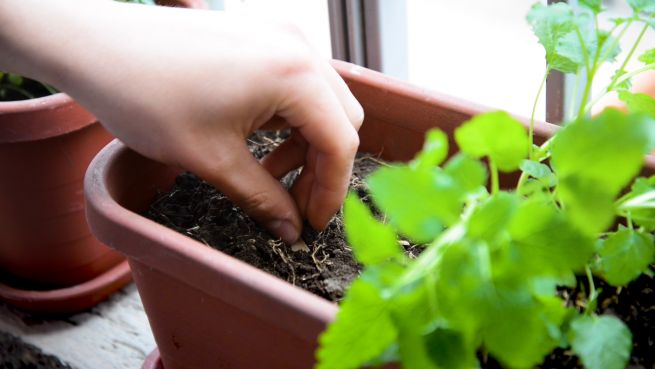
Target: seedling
<point x="494" y="258"/>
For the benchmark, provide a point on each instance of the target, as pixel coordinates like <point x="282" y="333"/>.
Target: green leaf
<point x="496" y="135"/>
<point x="594" y="5"/>
<point x="646" y="6"/>
<point x="625" y="85"/>
<point x="539" y="171"/>
<point x="583" y="45"/>
<point x="626" y="254"/>
<point x="470" y="174"/>
<point x="638" y="102"/>
<point x="518" y="326"/>
<point x="596" y="158"/>
<point x="489" y="220"/>
<point x="361" y="331"/>
<point x="545" y="241"/>
<point x="590" y="206"/>
<point x="372" y="241"/>
<point x="435" y="150"/>
<point x="641" y="209"/>
<point x="551" y="24"/>
<point x="15" y="79"/>
<point x="601" y="342"/>
<point x="447" y="348"/>
<point x="413" y="351"/>
<point x="648" y="57"/>
<point x="419" y="203"/>
<point x="536" y="169"/>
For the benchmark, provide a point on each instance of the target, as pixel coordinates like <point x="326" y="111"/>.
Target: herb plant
<point x="494" y="258"/>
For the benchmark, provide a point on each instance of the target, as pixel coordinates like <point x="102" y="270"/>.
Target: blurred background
<point x="479" y="50"/>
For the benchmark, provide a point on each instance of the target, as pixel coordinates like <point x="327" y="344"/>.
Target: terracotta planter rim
<point x="40" y="118"/>
<point x="106" y="217"/>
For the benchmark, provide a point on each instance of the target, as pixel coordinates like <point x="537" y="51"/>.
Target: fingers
<point x="234" y="171"/>
<point x="288" y="156"/>
<point x="349" y="103"/>
<point x="318" y="114"/>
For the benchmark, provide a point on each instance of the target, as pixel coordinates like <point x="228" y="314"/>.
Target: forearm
<point x="32" y="43"/>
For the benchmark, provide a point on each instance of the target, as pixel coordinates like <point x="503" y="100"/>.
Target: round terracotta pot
<point x="46" y="145"/>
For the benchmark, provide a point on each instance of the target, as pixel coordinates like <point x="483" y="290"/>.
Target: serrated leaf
<point x="586" y="45"/>
<point x="480" y="137"/>
<point x="551" y="24"/>
<point x="419" y="203"/>
<point x="546" y="241"/>
<point x="594" y="5"/>
<point x="470" y="174"/>
<point x="648" y="57"/>
<point x="601" y="342"/>
<point x="434" y="152"/>
<point x="638" y="102"/>
<point x="625" y="255"/>
<point x="594" y="159"/>
<point x="361" y="331"/>
<point x="647" y="6"/>
<point x="372" y="242"/>
<point x="490" y="219"/>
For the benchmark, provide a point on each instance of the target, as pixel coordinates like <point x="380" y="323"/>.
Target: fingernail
<point x="284" y="229"/>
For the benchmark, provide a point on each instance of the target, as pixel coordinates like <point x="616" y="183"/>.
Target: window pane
<point x="480" y="50"/>
<point x="311" y="16"/>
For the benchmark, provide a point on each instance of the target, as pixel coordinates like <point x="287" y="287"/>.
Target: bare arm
<point x="187" y="87"/>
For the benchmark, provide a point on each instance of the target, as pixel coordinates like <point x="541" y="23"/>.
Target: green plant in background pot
<point x="495" y="263"/>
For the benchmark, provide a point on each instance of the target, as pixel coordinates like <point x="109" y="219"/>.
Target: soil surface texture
<point x="326" y="267"/>
<point x="16" y="354"/>
<point x="194" y="208"/>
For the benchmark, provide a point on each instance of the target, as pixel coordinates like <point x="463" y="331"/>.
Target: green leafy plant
<point x="488" y="278"/>
<point x="15" y="87"/>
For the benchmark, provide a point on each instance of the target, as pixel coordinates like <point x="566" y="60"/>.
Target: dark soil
<point x="16" y="354"/>
<point x="196" y="209"/>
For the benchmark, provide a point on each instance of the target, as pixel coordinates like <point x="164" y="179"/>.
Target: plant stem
<point x="587" y="90"/>
<point x="576" y="85"/>
<point x="627" y="58"/>
<point x="591" y="303"/>
<point x="623" y="78"/>
<point x="534" y="111"/>
<point x="495" y="186"/>
<point x="50" y="88"/>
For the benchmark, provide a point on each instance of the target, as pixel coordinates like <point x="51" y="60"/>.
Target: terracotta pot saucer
<point x="153" y="361"/>
<point x="71" y="299"/>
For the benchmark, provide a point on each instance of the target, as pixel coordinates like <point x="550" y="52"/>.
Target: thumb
<point x="236" y="173"/>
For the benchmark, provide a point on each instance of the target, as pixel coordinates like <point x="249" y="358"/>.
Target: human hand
<point x="188" y="87"/>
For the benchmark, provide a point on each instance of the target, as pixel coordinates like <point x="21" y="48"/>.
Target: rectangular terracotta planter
<point x="209" y="310"/>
